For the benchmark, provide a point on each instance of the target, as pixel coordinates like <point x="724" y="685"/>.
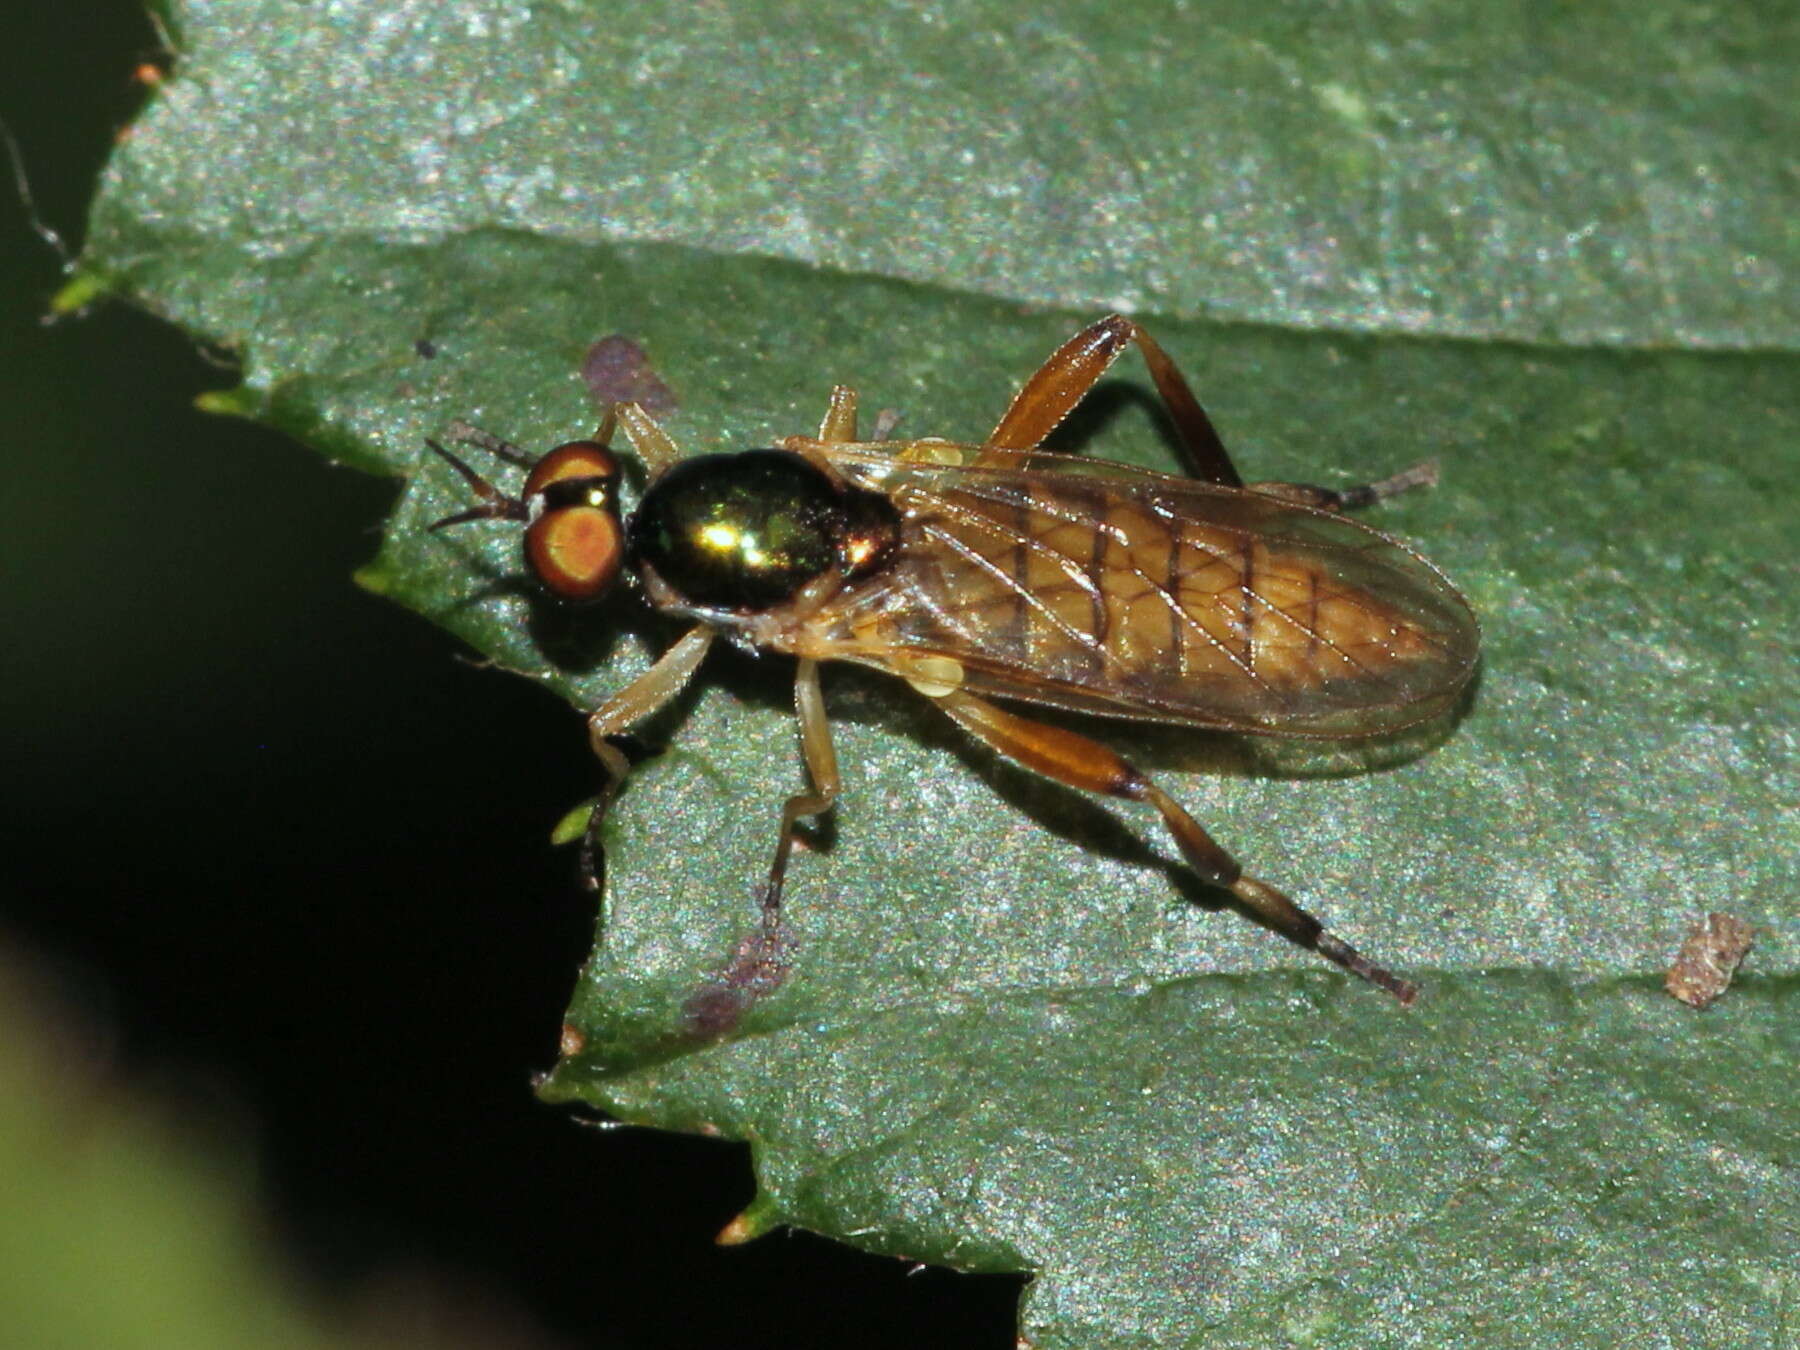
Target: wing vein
<point x="1000" y="574"/>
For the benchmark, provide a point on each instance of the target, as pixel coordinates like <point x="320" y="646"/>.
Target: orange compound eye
<point x="576" y="545"/>
<point x="572" y="459"/>
<point x="576" y="551"/>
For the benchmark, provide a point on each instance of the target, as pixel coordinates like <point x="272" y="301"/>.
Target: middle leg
<point x="821" y="767"/>
<point x="839" y="424"/>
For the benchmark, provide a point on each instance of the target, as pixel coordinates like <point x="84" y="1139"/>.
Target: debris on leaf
<point x="757" y="967"/>
<point x="617" y="370"/>
<point x="1708" y="959"/>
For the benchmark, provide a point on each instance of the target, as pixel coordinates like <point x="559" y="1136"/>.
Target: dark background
<point x="291" y="852"/>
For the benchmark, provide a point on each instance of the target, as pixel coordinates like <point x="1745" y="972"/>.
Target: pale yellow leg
<point x="624" y="710"/>
<point x="821" y="767"/>
<point x="609" y="422"/>
<point x="653" y="445"/>
<point x="839" y="426"/>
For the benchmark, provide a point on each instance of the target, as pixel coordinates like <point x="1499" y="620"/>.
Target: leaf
<point x="1006" y="1040"/>
<point x="105" y="1174"/>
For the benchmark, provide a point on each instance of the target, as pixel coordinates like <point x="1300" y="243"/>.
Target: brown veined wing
<point x="1103" y="588"/>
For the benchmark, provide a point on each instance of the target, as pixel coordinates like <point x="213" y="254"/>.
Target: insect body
<point x="1002" y="571"/>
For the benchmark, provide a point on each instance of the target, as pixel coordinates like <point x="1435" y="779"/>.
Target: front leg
<point x="636" y="701"/>
<point x="655" y="447"/>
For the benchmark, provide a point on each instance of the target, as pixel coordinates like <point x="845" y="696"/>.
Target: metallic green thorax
<point x="744" y="532"/>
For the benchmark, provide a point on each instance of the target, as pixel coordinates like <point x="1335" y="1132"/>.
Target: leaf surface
<point x="1555" y="250"/>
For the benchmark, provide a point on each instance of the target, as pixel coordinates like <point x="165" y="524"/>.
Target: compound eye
<point x="576" y="545"/>
<point x="576" y="551"/>
<point x="572" y="459"/>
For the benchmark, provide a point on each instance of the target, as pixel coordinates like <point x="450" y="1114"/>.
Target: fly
<point x="1002" y="571"/>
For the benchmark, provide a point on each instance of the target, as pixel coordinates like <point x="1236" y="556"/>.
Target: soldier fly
<point x="1004" y="571"/>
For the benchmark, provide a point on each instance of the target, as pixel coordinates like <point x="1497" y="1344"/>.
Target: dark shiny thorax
<point x="743" y="533"/>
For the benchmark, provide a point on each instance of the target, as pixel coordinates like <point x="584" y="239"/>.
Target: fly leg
<point x="837" y="428"/>
<point x="1422" y="474"/>
<point x="1075" y="368"/>
<point x="759" y="964"/>
<point x="839" y="424"/>
<point x="654" y="446"/>
<point x="624" y="710"/>
<point x="821" y="767"/>
<point x="1066" y="757"/>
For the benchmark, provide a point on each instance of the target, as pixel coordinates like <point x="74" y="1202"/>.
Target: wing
<point x="1103" y="588"/>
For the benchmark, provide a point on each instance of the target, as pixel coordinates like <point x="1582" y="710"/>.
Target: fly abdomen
<point x="1152" y="595"/>
<point x="1283" y="619"/>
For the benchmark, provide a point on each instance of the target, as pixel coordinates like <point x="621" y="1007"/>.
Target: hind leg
<point x="1066" y="757"/>
<point x="1074" y="368"/>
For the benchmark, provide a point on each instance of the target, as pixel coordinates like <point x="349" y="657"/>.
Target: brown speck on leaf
<point x="1708" y="959"/>
<point x="617" y="370"/>
<point x="572" y="1041"/>
<point x="757" y="967"/>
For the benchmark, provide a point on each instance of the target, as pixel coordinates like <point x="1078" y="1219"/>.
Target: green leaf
<point x="1553" y="248"/>
<point x="159" y="1197"/>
